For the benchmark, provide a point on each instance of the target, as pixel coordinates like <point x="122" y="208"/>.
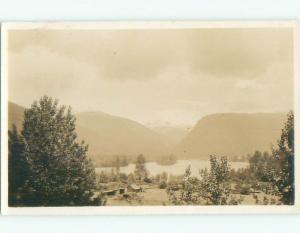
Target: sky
<point x="156" y="77"/>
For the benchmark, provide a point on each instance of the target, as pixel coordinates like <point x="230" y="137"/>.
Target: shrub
<point x="163" y="185"/>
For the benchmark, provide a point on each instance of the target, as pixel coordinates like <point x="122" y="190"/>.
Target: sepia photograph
<point x="149" y="117"/>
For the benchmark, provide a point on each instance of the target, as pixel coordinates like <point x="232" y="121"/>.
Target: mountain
<point x="231" y="134"/>
<point x="112" y="135"/>
<point x="15" y="115"/>
<point x="107" y="135"/>
<point x="171" y="135"/>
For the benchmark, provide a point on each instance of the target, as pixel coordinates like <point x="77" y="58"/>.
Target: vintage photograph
<point x="148" y="115"/>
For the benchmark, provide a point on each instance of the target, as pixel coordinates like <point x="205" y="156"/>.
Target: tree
<point x="163" y="177"/>
<point x="212" y="188"/>
<point x="103" y="177"/>
<point x="140" y="171"/>
<point x="18" y="170"/>
<point x="260" y="164"/>
<point x="189" y="194"/>
<point x="282" y="173"/>
<point x="59" y="172"/>
<point x="118" y="165"/>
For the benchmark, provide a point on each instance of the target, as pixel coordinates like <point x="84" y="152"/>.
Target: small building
<point x="135" y="188"/>
<point x="122" y="190"/>
<point x="111" y="192"/>
<point x="113" y="189"/>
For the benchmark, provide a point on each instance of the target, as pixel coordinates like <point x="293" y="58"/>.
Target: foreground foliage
<point x="213" y="187"/>
<point x="47" y="166"/>
<point x="282" y="173"/>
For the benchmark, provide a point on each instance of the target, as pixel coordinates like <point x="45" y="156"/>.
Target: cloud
<point x="143" y="54"/>
<point x="154" y="75"/>
<point x="239" y="52"/>
<point x="37" y="71"/>
<point x="116" y="54"/>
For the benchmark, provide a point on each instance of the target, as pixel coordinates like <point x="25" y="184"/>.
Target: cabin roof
<point x="134" y="186"/>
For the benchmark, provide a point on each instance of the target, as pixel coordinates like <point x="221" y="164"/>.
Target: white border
<point x="135" y="210"/>
<point x="125" y="25"/>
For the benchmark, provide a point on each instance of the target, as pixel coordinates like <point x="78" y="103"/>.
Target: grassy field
<point x="156" y="196"/>
<point x="150" y="196"/>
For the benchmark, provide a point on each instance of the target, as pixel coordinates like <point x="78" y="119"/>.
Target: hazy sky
<point x="154" y="76"/>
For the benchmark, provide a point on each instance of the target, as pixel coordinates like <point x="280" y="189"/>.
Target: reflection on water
<point x="174" y="169"/>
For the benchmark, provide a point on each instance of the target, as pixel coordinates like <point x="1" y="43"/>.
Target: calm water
<point x="175" y="169"/>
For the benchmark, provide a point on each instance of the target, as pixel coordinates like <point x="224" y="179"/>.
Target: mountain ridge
<point x="231" y="134"/>
<point x="108" y="135"/>
<point x="226" y="134"/>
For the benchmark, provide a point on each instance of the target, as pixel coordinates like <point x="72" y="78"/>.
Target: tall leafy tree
<point x="282" y="173"/>
<point x="18" y="170"/>
<point x="140" y="171"/>
<point x="59" y="172"/>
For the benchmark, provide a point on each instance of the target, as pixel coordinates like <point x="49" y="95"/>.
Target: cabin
<point x="135" y="188"/>
<point x="122" y="190"/>
<point x="111" y="192"/>
<point x="114" y="189"/>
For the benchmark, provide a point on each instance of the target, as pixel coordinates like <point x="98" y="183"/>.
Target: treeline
<point x="139" y="175"/>
<point x="167" y="160"/>
<point x="112" y="161"/>
<point x="124" y="160"/>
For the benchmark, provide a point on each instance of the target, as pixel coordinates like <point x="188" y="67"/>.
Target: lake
<point x="174" y="169"/>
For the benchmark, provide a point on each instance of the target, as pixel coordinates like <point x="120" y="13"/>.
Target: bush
<point x="163" y="185"/>
<point x="244" y="189"/>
